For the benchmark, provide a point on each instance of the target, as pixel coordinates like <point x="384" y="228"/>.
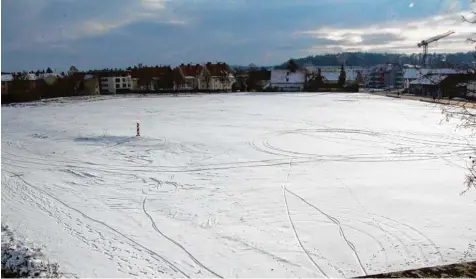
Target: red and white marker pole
<point x="138" y="130"/>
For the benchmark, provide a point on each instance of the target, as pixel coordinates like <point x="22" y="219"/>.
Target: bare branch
<point x="466" y="114"/>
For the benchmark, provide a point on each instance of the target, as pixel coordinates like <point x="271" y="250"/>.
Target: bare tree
<point x="466" y="112"/>
<point x="471" y="21"/>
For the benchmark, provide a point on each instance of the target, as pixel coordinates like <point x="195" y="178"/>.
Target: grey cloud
<point x="371" y="39"/>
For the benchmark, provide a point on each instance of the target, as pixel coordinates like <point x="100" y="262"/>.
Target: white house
<point x="217" y="77"/>
<point x="190" y="77"/>
<point x="114" y="84"/>
<point x="213" y="77"/>
<point x="285" y="80"/>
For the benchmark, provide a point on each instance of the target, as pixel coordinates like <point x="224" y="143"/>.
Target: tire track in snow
<point x="435" y="247"/>
<point x="174" y="267"/>
<point x="337" y="223"/>
<point x="294" y="228"/>
<point x="175" y="242"/>
<point x="378" y="225"/>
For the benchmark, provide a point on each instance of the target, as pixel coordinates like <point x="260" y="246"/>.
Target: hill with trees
<point x="365" y="59"/>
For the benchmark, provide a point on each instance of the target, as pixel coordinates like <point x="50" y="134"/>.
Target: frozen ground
<point x="307" y="185"/>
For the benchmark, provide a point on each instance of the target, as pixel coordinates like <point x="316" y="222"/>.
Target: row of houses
<point x="206" y="77"/>
<point x="295" y="81"/>
<point x="440" y="82"/>
<point x="25" y="83"/>
<point x="220" y="77"/>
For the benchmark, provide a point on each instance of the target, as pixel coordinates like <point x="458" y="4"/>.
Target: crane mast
<point x="425" y="44"/>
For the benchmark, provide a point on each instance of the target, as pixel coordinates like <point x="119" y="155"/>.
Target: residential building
<point x="6" y="83"/>
<point x="352" y="76"/>
<point x="152" y="78"/>
<point x="286" y="80"/>
<point x="115" y="82"/>
<point x="385" y="76"/>
<point x="91" y="85"/>
<point x="49" y="78"/>
<point x="135" y="86"/>
<point x="258" y="79"/>
<point x="440" y="86"/>
<point x="188" y="77"/>
<point x="411" y="74"/>
<point x="216" y="77"/>
<point x="22" y="83"/>
<point x="428" y="85"/>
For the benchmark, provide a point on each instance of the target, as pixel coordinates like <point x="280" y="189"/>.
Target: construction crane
<point x="425" y="44"/>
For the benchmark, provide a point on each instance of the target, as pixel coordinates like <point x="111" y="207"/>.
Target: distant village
<point x="220" y="77"/>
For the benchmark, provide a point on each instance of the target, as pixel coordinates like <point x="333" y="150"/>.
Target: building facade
<point x="217" y="77"/>
<point x="6" y="81"/>
<point x="91" y="85"/>
<point x="288" y="81"/>
<point x="188" y="77"/>
<point x="116" y="83"/>
<point x="385" y="76"/>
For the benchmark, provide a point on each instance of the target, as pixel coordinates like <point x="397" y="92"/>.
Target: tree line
<point x="367" y="59"/>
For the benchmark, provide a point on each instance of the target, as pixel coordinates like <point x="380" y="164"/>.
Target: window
<point x="124" y="85"/>
<point x="118" y="79"/>
<point x="123" y="79"/>
<point x="118" y="85"/>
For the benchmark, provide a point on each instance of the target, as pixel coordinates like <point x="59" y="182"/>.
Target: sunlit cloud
<point x="399" y="36"/>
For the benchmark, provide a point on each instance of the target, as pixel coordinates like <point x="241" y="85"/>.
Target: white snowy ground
<point x="246" y="185"/>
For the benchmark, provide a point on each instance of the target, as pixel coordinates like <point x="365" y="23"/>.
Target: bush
<point x="19" y="260"/>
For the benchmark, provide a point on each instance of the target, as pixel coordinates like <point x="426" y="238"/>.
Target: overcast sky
<point x="118" y="33"/>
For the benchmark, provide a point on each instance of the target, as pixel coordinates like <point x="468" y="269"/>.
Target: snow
<point x="238" y="185"/>
<point x="429" y="80"/>
<point x="7" y="77"/>
<point x="418" y="73"/>
<point x="285" y="76"/>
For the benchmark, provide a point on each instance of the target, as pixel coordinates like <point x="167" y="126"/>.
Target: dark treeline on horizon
<point x="366" y="59"/>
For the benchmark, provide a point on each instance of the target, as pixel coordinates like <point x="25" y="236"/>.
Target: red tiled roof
<point x="152" y="71"/>
<point x="191" y="70"/>
<point x="218" y="69"/>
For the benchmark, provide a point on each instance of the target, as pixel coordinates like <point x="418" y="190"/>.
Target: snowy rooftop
<point x="7" y="77"/>
<point x="334" y="75"/>
<point x="429" y="80"/>
<point x="286" y="76"/>
<point x="413" y="73"/>
<point x="28" y="76"/>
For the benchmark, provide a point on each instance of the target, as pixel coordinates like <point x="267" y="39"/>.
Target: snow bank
<point x="20" y="260"/>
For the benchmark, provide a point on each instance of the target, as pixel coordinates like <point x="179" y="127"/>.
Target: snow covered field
<point x="308" y="185"/>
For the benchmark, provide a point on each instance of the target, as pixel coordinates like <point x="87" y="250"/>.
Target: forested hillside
<point x="368" y="59"/>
